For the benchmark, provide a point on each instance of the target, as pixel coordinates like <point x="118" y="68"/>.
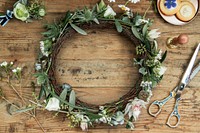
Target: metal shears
<point x="189" y="74"/>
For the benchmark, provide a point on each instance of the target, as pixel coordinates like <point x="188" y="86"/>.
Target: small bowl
<point x="173" y="19"/>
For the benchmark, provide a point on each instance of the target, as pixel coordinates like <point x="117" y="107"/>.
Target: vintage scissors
<point x="177" y="91"/>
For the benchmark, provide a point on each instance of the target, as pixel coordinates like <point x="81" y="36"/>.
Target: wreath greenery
<point x="61" y="98"/>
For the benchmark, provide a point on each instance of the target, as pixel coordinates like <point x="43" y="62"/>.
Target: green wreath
<point x="61" y="98"/>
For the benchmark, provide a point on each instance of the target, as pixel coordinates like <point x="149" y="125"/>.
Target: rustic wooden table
<point x="99" y="67"/>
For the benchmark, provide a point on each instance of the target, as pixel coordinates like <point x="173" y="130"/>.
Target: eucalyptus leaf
<point x="96" y="20"/>
<point x="72" y="100"/>
<point x="143" y="71"/>
<point x="41" y="78"/>
<point x="144" y="30"/>
<point x="24" y="110"/>
<point x="135" y="32"/>
<point x="63" y="94"/>
<point x="11" y="109"/>
<point x="79" y="30"/>
<point x="118" y="26"/>
<point x="42" y="92"/>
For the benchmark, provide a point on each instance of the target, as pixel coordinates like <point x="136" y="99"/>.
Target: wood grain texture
<point x="99" y="67"/>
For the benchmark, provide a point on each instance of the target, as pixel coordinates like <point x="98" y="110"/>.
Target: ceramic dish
<point x="173" y="19"/>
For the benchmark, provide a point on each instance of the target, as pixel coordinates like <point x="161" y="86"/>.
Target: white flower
<point x="103" y="119"/>
<point x="101" y="107"/>
<point x="21" y="12"/>
<point x="141" y="21"/>
<point x="158" y="56"/>
<point x="147" y="84"/>
<point x="38" y="66"/>
<point x="84" y="121"/>
<point x="133" y="108"/>
<point x="53" y="104"/>
<point x="124" y="8"/>
<point x="16" y="70"/>
<point x="11" y="63"/>
<point x="161" y="70"/>
<point x="111" y="0"/>
<point x="4" y="64"/>
<point x="45" y="53"/>
<point x="134" y="1"/>
<point x="118" y="118"/>
<point x="153" y="34"/>
<point x="109" y="12"/>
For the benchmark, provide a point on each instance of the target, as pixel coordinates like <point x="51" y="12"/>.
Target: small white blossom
<point x="147" y="84"/>
<point x="160" y="70"/>
<point x="153" y="34"/>
<point x="133" y="108"/>
<point x="53" y="104"/>
<point x="141" y="21"/>
<point x="84" y="120"/>
<point x="134" y="1"/>
<point x="111" y="0"/>
<point x="38" y="66"/>
<point x="124" y="8"/>
<point x="45" y="53"/>
<point x="109" y="12"/>
<point x="18" y="69"/>
<point x="158" y="56"/>
<point x="11" y="63"/>
<point x="4" y="64"/>
<point x="118" y="118"/>
<point x="101" y="107"/>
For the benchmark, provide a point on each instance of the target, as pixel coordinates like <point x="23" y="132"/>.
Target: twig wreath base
<point x="103" y="25"/>
<point x="62" y="98"/>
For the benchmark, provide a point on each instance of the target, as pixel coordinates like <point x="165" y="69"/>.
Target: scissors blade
<point x="188" y="71"/>
<point x="194" y="72"/>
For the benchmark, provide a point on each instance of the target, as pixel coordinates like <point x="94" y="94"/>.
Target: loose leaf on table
<point x="118" y="26"/>
<point x="72" y="99"/>
<point x="79" y="30"/>
<point x="14" y="109"/>
<point x="63" y="94"/>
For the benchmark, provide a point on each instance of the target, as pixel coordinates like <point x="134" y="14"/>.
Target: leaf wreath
<point x="149" y="60"/>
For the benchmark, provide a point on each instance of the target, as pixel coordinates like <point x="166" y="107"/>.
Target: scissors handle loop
<point x="174" y="114"/>
<point x="159" y="104"/>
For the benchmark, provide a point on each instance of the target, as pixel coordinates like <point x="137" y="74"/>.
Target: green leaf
<point x="93" y="116"/>
<point x="101" y="5"/>
<point x="24" y="110"/>
<point x="41" y="78"/>
<point x="118" y="26"/>
<point x="96" y="20"/>
<point x="135" y="32"/>
<point x="164" y="56"/>
<point x="144" y="30"/>
<point x="67" y="17"/>
<point x="79" y="30"/>
<point x="72" y="99"/>
<point x="41" y="94"/>
<point x="143" y="71"/>
<point x="63" y="94"/>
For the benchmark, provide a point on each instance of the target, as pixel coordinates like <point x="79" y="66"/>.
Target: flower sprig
<point x="24" y="10"/>
<point x="149" y="60"/>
